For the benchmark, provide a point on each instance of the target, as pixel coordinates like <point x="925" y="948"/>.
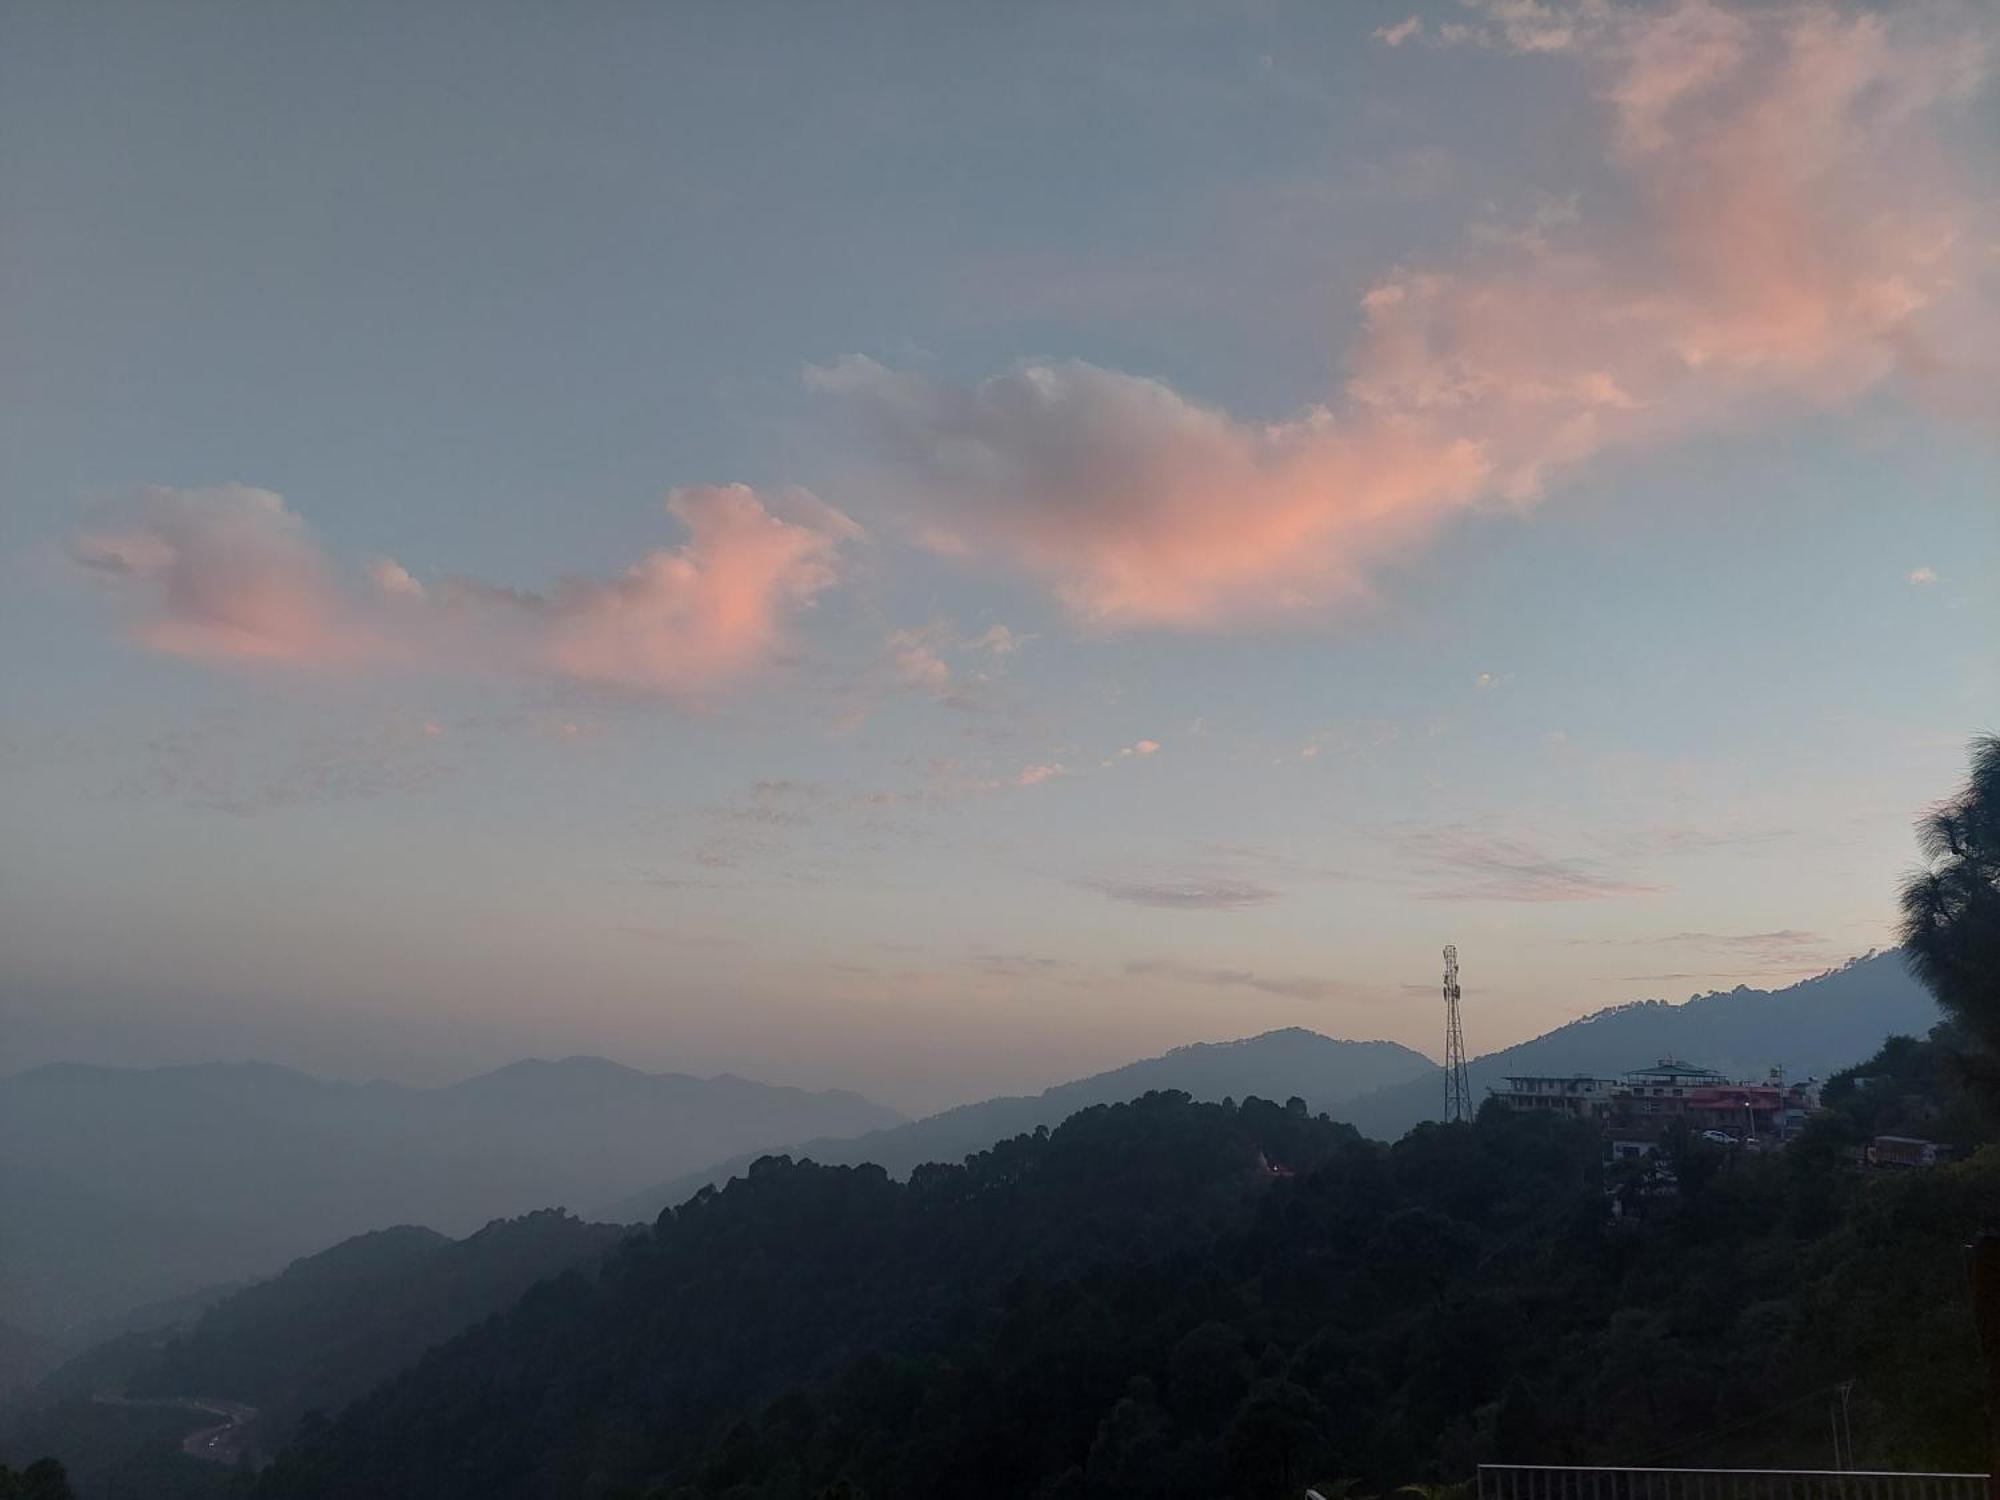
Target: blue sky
<point x="1235" y="498"/>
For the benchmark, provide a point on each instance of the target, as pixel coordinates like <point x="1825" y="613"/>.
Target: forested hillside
<point x="325" y="1331"/>
<point x="1169" y="1298"/>
<point x="1325" y="1071"/>
<point x="337" y="1323"/>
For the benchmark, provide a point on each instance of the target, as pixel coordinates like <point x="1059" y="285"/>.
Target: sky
<point x="935" y="549"/>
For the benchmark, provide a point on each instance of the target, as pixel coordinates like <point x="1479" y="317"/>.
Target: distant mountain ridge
<point x="1277" y="1065"/>
<point x="332" y="1325"/>
<point x="325" y="1330"/>
<point x="129" y="1186"/>
<point x="1813" y="1028"/>
<point x="126" y="1186"/>
<point x="1810" y="1029"/>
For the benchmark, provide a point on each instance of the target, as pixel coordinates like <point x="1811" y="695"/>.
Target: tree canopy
<point x="1951" y="909"/>
<point x="1171" y="1299"/>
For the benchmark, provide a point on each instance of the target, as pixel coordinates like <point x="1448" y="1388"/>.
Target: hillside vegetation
<point x="1171" y="1298"/>
<point x="335" y="1324"/>
<point x="326" y="1330"/>
<point x="1324" y="1071"/>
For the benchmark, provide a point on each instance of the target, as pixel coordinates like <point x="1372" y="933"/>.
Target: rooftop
<point x="1672" y="1070"/>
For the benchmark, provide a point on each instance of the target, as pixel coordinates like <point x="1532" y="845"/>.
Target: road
<point x="223" y="1443"/>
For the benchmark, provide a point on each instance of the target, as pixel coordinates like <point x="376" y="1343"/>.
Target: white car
<point x="1718" y="1137"/>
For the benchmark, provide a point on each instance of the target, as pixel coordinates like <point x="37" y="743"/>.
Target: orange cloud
<point x="1793" y="232"/>
<point x="232" y="574"/>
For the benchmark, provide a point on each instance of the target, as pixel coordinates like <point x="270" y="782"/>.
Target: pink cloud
<point x="232" y="574"/>
<point x="394" y="579"/>
<point x="1792" y="232"/>
<point x="916" y="656"/>
<point x="935" y="661"/>
<point x="682" y="620"/>
<point x="1401" y="32"/>
<point x="1140" y="505"/>
<point x="226" y="573"/>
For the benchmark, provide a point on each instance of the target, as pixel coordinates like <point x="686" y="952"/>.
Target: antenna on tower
<point x="1457" y="1091"/>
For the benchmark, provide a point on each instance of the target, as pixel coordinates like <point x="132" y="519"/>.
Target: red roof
<point x="1758" y="1096"/>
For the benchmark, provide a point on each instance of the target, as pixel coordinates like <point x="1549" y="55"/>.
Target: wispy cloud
<point x="777" y="802"/>
<point x="1018" y="965"/>
<point x="1182" y="895"/>
<point x="1646" y="841"/>
<point x="1461" y="863"/>
<point x="935" y="660"/>
<point x="954" y="669"/>
<point x="1785" y="940"/>
<point x="760" y="833"/>
<point x="1138" y="750"/>
<point x="232" y="766"/>
<point x="1275" y="864"/>
<point x="1401" y="32"/>
<point x="660" y="880"/>
<point x="1226" y="978"/>
<point x="1783" y="952"/>
<point x="1517" y="25"/>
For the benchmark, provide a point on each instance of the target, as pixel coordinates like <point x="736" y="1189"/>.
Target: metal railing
<point x="1559" y="1482"/>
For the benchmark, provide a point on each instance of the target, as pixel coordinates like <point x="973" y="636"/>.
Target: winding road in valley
<point x="222" y="1443"/>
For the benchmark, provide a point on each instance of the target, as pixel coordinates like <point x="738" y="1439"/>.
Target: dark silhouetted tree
<point x="44" y="1479"/>
<point x="1951" y="911"/>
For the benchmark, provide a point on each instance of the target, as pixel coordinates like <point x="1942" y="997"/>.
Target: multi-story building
<point x="1579" y="1095"/>
<point x="1637" y="1109"/>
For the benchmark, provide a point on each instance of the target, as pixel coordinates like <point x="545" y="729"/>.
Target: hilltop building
<point x="1580" y="1096"/>
<point x="1636" y="1110"/>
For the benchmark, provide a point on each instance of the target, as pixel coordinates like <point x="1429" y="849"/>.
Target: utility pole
<point x="1843" y="1430"/>
<point x="1982" y="1264"/>
<point x="1457" y="1091"/>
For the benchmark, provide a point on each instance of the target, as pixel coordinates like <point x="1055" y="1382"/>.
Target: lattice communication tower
<point x="1457" y="1091"/>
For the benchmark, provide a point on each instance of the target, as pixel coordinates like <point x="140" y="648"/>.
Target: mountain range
<point x="1810" y="1030"/>
<point x="325" y="1330"/>
<point x="129" y="1186"/>
<point x="1294" y="1062"/>
<point x="126" y="1186"/>
<point x="337" y="1324"/>
<point x="1185" y="1300"/>
<point x="332" y="1325"/>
